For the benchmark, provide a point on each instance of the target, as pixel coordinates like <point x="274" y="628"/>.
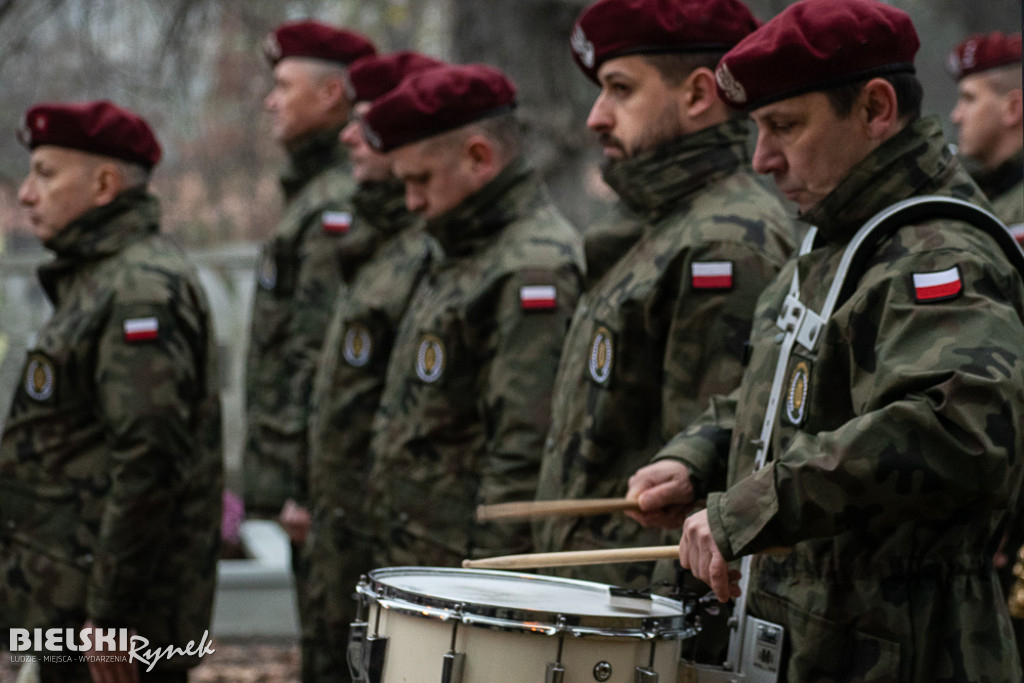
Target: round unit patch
<point x="39" y="377"/>
<point x="601" y="353"/>
<point x="266" y="271"/>
<point x="430" y="358"/>
<point x="796" y="395"/>
<point x="357" y="346"/>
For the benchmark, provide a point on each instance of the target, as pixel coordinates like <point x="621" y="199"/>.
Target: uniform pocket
<point x="825" y="651"/>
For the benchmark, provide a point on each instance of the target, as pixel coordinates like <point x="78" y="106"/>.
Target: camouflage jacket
<point x="1004" y="187"/>
<point x="898" y="446"/>
<point x="660" y="332"/>
<point x="110" y="463"/>
<point x="346" y="394"/>
<point x="297" y="281"/>
<point x="467" y="399"/>
<point x="611" y="236"/>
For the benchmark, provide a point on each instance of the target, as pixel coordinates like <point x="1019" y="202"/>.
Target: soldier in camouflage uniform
<point x="466" y="400"/>
<point x="110" y="463"/>
<point x="663" y="329"/>
<point x="350" y="375"/>
<point x="989" y="114"/>
<point x="298" y="276"/>
<point x="896" y="447"/>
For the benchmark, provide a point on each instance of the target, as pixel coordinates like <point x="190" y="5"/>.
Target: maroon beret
<point x="984" y="52"/>
<point x="437" y="100"/>
<point x="614" y="28"/>
<point x="96" y="127"/>
<point x="371" y="77"/>
<point x="814" y="45"/>
<point x="316" y="40"/>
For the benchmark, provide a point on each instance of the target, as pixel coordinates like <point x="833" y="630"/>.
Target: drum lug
<point x="451" y="669"/>
<point x="555" y="673"/>
<point x="354" y="655"/>
<point x="373" y="658"/>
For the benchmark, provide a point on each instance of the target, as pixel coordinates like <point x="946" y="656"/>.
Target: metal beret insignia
<point x="582" y="47"/>
<point x="729" y="85"/>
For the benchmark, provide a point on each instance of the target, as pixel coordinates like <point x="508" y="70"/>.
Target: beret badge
<point x="729" y="85"/>
<point x="582" y="47"/>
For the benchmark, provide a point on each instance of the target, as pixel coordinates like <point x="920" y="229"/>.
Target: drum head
<point x="533" y="602"/>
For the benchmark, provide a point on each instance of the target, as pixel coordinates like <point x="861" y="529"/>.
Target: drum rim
<point x="373" y="587"/>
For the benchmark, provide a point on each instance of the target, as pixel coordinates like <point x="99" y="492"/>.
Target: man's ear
<point x="108" y="183"/>
<point x="878" y="106"/>
<point x="481" y="155"/>
<point x="1013" y="108"/>
<point x="699" y="92"/>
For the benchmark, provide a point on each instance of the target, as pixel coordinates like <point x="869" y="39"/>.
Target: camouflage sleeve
<point x="317" y="286"/>
<point x="532" y="317"/>
<point x="937" y="391"/>
<point x="148" y="377"/>
<point x="718" y="288"/>
<point x="704" y="446"/>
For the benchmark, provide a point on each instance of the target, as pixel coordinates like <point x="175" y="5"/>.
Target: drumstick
<point x="576" y="558"/>
<point x="534" y="509"/>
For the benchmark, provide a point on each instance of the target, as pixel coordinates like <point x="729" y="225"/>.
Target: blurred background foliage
<point x="195" y="70"/>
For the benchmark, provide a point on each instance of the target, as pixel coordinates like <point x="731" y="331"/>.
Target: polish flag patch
<point x="944" y="284"/>
<point x="712" y="274"/>
<point x="141" y="329"/>
<point x="336" y="221"/>
<point x="537" y="297"/>
<point x="1018" y="233"/>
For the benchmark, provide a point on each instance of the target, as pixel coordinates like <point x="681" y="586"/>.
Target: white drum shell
<point x="505" y="638"/>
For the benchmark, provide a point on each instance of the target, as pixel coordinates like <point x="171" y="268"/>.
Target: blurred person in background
<point x="381" y="269"/>
<point x="298" y="276"/>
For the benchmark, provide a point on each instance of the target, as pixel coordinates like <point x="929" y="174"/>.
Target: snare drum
<point x="477" y="626"/>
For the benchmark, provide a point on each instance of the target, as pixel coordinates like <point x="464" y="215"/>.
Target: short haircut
<point x="502" y="130"/>
<point x="909" y="94"/>
<point x="133" y="175"/>
<point x="1003" y="79"/>
<point x="676" y="67"/>
<point x="322" y="70"/>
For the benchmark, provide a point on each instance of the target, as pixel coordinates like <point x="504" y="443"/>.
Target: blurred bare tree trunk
<point x="529" y="40"/>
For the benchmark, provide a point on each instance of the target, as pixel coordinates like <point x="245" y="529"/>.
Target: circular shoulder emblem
<point x="39" y="377"/>
<point x="796" y="395"/>
<point x="266" y="271"/>
<point x="430" y="358"/>
<point x="601" y="354"/>
<point x="729" y="85"/>
<point x="357" y="346"/>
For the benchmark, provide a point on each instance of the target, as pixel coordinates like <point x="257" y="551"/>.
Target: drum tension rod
<point x="648" y="674"/>
<point x="555" y="671"/>
<point x="452" y="666"/>
<point x="374" y="652"/>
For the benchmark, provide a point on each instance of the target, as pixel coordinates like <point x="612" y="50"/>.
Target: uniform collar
<point x="654" y="183"/>
<point x="100" y="232"/>
<point x="475" y="220"/>
<point x="309" y="156"/>
<point x="915" y="161"/>
<point x="1000" y="179"/>
<point x="381" y="206"/>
